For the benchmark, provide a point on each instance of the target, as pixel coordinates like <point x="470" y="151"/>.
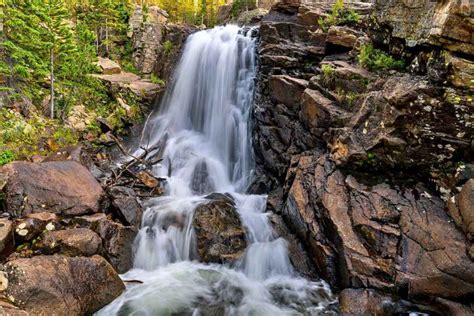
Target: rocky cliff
<point x="363" y="132"/>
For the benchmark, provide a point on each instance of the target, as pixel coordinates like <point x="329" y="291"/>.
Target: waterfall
<point x="201" y="131"/>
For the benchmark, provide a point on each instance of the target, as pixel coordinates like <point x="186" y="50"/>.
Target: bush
<point x="6" y="156"/>
<point x="328" y="76"/>
<point x="167" y="46"/>
<point x="339" y="16"/>
<point x="157" y="80"/>
<point x="375" y="59"/>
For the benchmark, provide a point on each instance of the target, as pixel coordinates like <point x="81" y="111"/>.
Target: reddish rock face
<point x="58" y="285"/>
<point x="70" y="242"/>
<point x="60" y="187"/>
<point x="377" y="236"/>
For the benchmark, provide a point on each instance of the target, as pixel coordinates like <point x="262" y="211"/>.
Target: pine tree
<point x="59" y="41"/>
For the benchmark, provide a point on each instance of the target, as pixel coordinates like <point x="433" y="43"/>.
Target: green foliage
<point x="339" y="16"/>
<point x="239" y="6"/>
<point x="157" y="80"/>
<point x="328" y="75"/>
<point x="375" y="59"/>
<point x="6" y="156"/>
<point x="167" y="46"/>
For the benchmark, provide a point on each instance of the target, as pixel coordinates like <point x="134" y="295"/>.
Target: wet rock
<point x="117" y="243"/>
<point x="125" y="202"/>
<point x="369" y="302"/>
<point x="60" y="187"/>
<point x="298" y="256"/>
<point x="7" y="243"/>
<point x="70" y="242"/>
<point x="219" y="233"/>
<point x="108" y="67"/>
<point x="46" y="285"/>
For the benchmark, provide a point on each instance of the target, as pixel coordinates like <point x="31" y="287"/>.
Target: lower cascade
<point x="202" y="134"/>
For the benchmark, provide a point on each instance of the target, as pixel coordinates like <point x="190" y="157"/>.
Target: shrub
<point x="157" y="80"/>
<point x="328" y="76"/>
<point x="6" y="156"/>
<point x="339" y="16"/>
<point x="375" y="59"/>
<point x="167" y="46"/>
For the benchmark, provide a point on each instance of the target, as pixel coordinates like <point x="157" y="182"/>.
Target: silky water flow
<point x="203" y="135"/>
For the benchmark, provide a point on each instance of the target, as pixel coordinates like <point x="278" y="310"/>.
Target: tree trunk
<point x="97" y="32"/>
<point x="52" y="83"/>
<point x="106" y="37"/>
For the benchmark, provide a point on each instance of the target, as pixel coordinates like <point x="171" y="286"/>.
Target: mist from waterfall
<point x="202" y="133"/>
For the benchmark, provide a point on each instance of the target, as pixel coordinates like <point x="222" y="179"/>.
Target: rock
<point x="369" y="302"/>
<point x="460" y="208"/>
<point x="7" y="243"/>
<point x="59" y="187"/>
<point x="287" y="90"/>
<point x="61" y="285"/>
<point x="124" y="200"/>
<point x="146" y="41"/>
<point x="342" y="36"/>
<point x="78" y="118"/>
<point x="219" y="233"/>
<point x="70" y="242"/>
<point x="318" y="111"/>
<point x="298" y="257"/>
<point x="224" y="13"/>
<point x="89" y="221"/>
<point x="117" y="243"/>
<point x="388" y="239"/>
<point x="447" y="24"/>
<point x="125" y="82"/>
<point x="461" y="72"/>
<point x="10" y="309"/>
<point x="28" y="228"/>
<point x="148" y="179"/>
<point x="108" y="66"/>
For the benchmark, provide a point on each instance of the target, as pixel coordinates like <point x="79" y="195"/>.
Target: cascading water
<point x="202" y="134"/>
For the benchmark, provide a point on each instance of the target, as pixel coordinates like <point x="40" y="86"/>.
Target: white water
<point x="203" y="127"/>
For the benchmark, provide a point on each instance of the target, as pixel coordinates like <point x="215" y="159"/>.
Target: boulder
<point x="343" y="36"/>
<point x="287" y="90"/>
<point x="108" y="66"/>
<point x="117" y="243"/>
<point x="319" y="111"/>
<point x="7" y="243"/>
<point x="70" y="242"/>
<point x="125" y="202"/>
<point x="59" y="285"/>
<point x="220" y="236"/>
<point x="224" y="13"/>
<point x="60" y="187"/>
<point x="28" y="228"/>
<point x="461" y="72"/>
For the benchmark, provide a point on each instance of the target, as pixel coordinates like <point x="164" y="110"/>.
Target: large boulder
<point x="219" y="233"/>
<point x="60" y="187"/>
<point x="125" y="203"/>
<point x="58" y="285"/>
<point x="108" y="66"/>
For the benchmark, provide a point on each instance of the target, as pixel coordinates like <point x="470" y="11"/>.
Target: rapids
<point x="202" y="132"/>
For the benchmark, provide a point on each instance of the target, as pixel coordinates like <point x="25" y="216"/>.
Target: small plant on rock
<point x="157" y="80"/>
<point x="327" y="75"/>
<point x="375" y="59"/>
<point x="339" y="16"/>
<point x="167" y="46"/>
